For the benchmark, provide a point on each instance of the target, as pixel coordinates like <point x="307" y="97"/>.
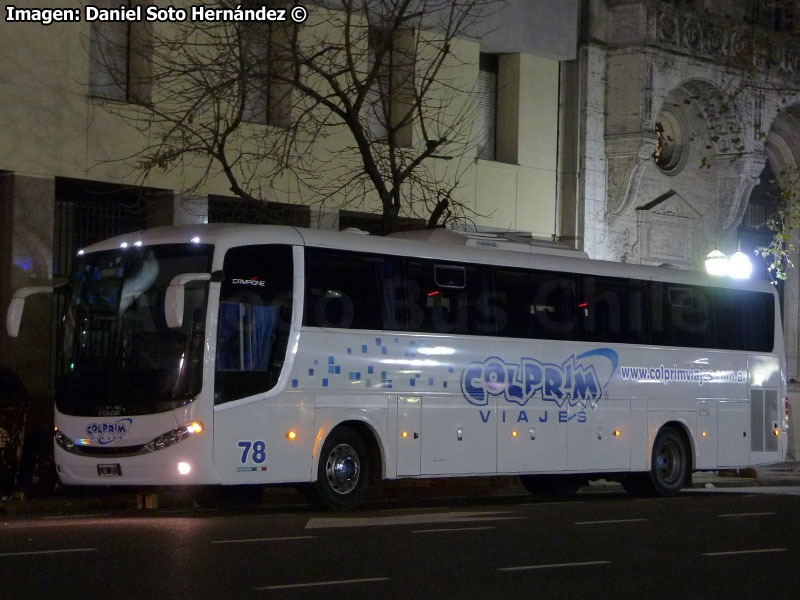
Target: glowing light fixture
<point x="739" y="265"/>
<point x="290" y="435"/>
<point x="717" y="263"/>
<point x="184" y="468"/>
<point x="514" y="434"/>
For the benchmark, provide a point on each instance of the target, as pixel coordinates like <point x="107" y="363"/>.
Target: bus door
<point x="765" y="424"/>
<point x="409" y="412"/>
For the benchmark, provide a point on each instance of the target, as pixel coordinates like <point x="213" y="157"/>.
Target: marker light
<point x="514" y="434"/>
<point x="195" y="427"/>
<point x="705" y="434"/>
<point x="184" y="468"/>
<point x="617" y="433"/>
<point x="776" y="432"/>
<point x="404" y="434"/>
<point x="196" y="240"/>
<point x="290" y="435"/>
<point x="786" y="412"/>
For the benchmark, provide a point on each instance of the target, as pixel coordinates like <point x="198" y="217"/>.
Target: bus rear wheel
<point x="669" y="466"/>
<point x="343" y="471"/>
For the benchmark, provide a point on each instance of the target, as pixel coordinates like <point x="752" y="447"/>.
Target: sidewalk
<point x="89" y="500"/>
<point x="780" y="474"/>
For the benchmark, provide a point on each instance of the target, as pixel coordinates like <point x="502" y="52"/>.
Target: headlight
<point x="64" y="442"/>
<point x="170" y="438"/>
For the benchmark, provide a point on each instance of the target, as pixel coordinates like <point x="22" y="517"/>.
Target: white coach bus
<point x="240" y="354"/>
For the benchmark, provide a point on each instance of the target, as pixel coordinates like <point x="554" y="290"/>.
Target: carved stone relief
<point x="626" y="161"/>
<point x="667" y="228"/>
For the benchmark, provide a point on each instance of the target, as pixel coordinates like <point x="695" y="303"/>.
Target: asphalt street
<point x="736" y="541"/>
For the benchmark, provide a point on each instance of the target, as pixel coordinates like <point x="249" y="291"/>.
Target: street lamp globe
<point x="717" y="263"/>
<point x="740" y="265"/>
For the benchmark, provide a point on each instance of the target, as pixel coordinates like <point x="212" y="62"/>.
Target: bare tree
<point x="366" y="99"/>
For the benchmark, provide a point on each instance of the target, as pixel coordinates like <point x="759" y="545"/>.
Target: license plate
<point x="109" y="470"/>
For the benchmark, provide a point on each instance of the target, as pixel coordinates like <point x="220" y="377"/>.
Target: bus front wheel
<point x="343" y="472"/>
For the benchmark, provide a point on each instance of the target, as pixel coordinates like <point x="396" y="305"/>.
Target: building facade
<point x="684" y="126"/>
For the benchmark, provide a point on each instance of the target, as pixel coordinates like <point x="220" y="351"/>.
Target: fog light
<point x="184" y="468"/>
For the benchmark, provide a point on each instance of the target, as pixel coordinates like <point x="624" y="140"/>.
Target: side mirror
<point x="17" y="306"/>
<point x="174" y="299"/>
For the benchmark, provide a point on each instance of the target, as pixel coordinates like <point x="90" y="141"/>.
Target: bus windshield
<point x="117" y="355"/>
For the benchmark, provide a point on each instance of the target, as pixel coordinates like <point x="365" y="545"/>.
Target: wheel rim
<point x="668" y="462"/>
<point x="343" y="469"/>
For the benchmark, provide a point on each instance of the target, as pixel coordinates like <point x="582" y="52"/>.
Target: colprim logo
<point x="251" y="281"/>
<point x="577" y="381"/>
<point x="105" y="433"/>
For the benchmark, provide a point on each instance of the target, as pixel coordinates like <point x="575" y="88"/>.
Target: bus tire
<point x="343" y="471"/>
<point x="669" y="463"/>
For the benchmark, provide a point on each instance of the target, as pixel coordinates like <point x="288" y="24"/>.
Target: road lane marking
<point x="268" y="539"/>
<point x="77" y="516"/>
<point x="36" y="552"/>
<point x="445" y="529"/>
<point x="753" y="514"/>
<point x="413" y="509"/>
<point x="450" y="517"/>
<point x="735" y="552"/>
<point x="551" y="503"/>
<point x="609" y="521"/>
<point x="588" y="563"/>
<point x="289" y="586"/>
<point x="261" y="516"/>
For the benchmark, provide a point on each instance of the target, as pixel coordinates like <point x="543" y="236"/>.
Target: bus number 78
<point x="255" y="450"/>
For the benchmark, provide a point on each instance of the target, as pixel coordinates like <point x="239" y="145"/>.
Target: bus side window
<point x="349" y="290"/>
<point x="611" y="309"/>
<point x="449" y="298"/>
<point x="535" y="304"/>
<point x="680" y="315"/>
<point x="752" y="313"/>
<point x="253" y="321"/>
